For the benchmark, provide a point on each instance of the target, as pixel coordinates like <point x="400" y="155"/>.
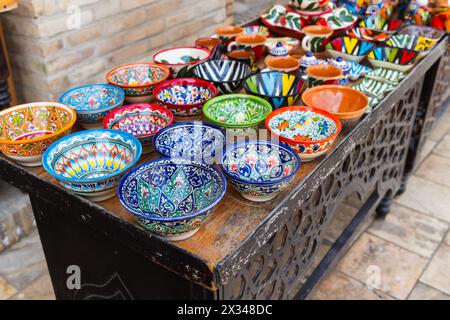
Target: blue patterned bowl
<point x="91" y="163"/>
<point x="172" y="197"/>
<point x="195" y="141"/>
<point x="93" y="102"/>
<point x="260" y="169"/>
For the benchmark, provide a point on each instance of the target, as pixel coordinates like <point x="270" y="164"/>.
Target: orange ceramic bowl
<point x="344" y="102"/>
<point x="228" y="31"/>
<point x="286" y="64"/>
<point x="208" y="43"/>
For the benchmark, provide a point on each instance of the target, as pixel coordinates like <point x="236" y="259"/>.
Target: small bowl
<point x="255" y="29"/>
<point x="172" y="197"/>
<point x="137" y="79"/>
<point x="208" y="43"/>
<point x="349" y="48"/>
<point x="226" y="75"/>
<point x="181" y="60"/>
<point x="260" y="169"/>
<point x="93" y="102"/>
<point x="343" y="102"/>
<point x="323" y="74"/>
<point x="393" y="58"/>
<point x="185" y="96"/>
<point x="285" y="64"/>
<point x="411" y="42"/>
<point x="91" y="163"/>
<point x="142" y="121"/>
<point x="369" y="34"/>
<point x="309" y="131"/>
<point x="195" y="141"/>
<point x="226" y="33"/>
<point x="379" y="23"/>
<point x="278" y="88"/>
<point x="27" y="130"/>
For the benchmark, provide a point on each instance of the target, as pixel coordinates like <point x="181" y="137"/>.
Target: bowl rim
<point x="335" y="119"/>
<point x="65" y="128"/>
<point x="371" y="47"/>
<point x="126" y="135"/>
<point x="93" y="85"/>
<point x="127" y="65"/>
<point x="182" y="124"/>
<point x="176" y="161"/>
<point x="267" y="142"/>
<point x="170" y="83"/>
<point x="412" y="62"/>
<point x="416" y="40"/>
<point x="247" y="67"/>
<point x="154" y="57"/>
<point x="247" y="89"/>
<point x="233" y="96"/>
<point x="141" y="107"/>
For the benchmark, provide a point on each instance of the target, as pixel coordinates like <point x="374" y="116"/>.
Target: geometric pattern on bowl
<point x="422" y="31"/>
<point x="374" y="88"/>
<point x="411" y="42"/>
<point x="350" y="48"/>
<point x="172" y="197"/>
<point x="393" y="58"/>
<point x="226" y="75"/>
<point x="357" y="70"/>
<point x="91" y="162"/>
<point x="260" y="169"/>
<point x="279" y="88"/>
<point x="255" y="29"/>
<point x="386" y="75"/>
<point x="369" y="34"/>
<point x="378" y="23"/>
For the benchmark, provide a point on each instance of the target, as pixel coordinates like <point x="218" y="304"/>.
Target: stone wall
<point x="58" y="44"/>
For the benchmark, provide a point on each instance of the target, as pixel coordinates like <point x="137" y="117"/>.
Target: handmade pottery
<point x="93" y="102"/>
<point x="322" y="74"/>
<point x="284" y="64"/>
<point x="172" y="197"/>
<point x="274" y="15"/>
<point x="282" y="22"/>
<point x="307" y="60"/>
<point x="195" y="141"/>
<point x="226" y="75"/>
<point x="357" y="70"/>
<point x="339" y="19"/>
<point x="27" y="130"/>
<point x="247" y="57"/>
<point x="314" y="38"/>
<point x="90" y="163"/>
<point x="349" y="48"/>
<point x="255" y="29"/>
<point x="137" y="79"/>
<point x="345" y="103"/>
<point x="278" y="88"/>
<point x="411" y="42"/>
<point x="253" y="42"/>
<point x="309" y="5"/>
<point x="376" y="22"/>
<point x="228" y="33"/>
<point x="369" y="34"/>
<point x="185" y="96"/>
<point x="214" y="45"/>
<point x="260" y="169"/>
<point x="309" y="131"/>
<point x="289" y="43"/>
<point x="374" y="88"/>
<point x="393" y="58"/>
<point x="141" y="120"/>
<point x="181" y="60"/>
<point x="386" y="75"/>
<point x="422" y="31"/>
<point x="344" y="66"/>
<point x="279" y="51"/>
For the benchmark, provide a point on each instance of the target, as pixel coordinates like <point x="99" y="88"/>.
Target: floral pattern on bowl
<point x="350" y="48"/>
<point x="393" y="58"/>
<point x="181" y="60"/>
<point x="340" y="19"/>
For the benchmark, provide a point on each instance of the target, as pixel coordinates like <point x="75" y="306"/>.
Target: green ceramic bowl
<point x="237" y="110"/>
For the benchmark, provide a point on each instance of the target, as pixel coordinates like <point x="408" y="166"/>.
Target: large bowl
<point x="140" y="120"/>
<point x="309" y="131"/>
<point x="186" y="96"/>
<point x="260" y="169"/>
<point x="411" y="42"/>
<point x="194" y="141"/>
<point x="226" y="75"/>
<point x="172" y="197"/>
<point x="27" y="130"/>
<point x="279" y="88"/>
<point x="345" y="103"/>
<point x="349" y="48"/>
<point x="93" y="102"/>
<point x="90" y="163"/>
<point x="393" y="58"/>
<point x="181" y="60"/>
<point x="138" y="79"/>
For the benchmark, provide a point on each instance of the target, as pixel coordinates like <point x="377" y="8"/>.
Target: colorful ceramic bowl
<point x="226" y="75"/>
<point x="422" y="31"/>
<point x="393" y="58"/>
<point x="309" y="131"/>
<point x="142" y="121"/>
<point x="172" y="197"/>
<point x="343" y="102"/>
<point x="411" y="42"/>
<point x="260" y="169"/>
<point x="323" y="74"/>
<point x="90" y="163"/>
<point x="194" y="141"/>
<point x="227" y="33"/>
<point x="376" y="22"/>
<point x="369" y="34"/>
<point x="289" y="43"/>
<point x="137" y="79"/>
<point x="181" y="60"/>
<point x="208" y="43"/>
<point x="185" y="96"/>
<point x="284" y="64"/>
<point x="357" y="70"/>
<point x="278" y="88"/>
<point x="93" y="102"/>
<point x="349" y="48"/>
<point x="250" y="42"/>
<point x="27" y="130"/>
<point x="255" y="29"/>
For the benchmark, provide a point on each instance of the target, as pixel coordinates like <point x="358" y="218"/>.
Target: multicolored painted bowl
<point x="279" y="88"/>
<point x="226" y="75"/>
<point x="260" y="169"/>
<point x="185" y="96"/>
<point x="138" y="79"/>
<point x="289" y="43"/>
<point x="393" y="58"/>
<point x="140" y="120"/>
<point x="196" y="141"/>
<point x="91" y="163"/>
<point x="172" y="197"/>
<point x="255" y="29"/>
<point x="422" y="31"/>
<point x="349" y="48"/>
<point x="412" y="42"/>
<point x="27" y="130"/>
<point x="376" y="22"/>
<point x="181" y="60"/>
<point x="369" y="34"/>
<point x="309" y="131"/>
<point x="93" y="102"/>
<point x="345" y="103"/>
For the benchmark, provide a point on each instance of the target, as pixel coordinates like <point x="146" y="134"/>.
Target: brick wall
<point x="49" y="55"/>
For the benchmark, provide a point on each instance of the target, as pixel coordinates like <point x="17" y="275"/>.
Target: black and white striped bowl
<point x="226" y="75"/>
